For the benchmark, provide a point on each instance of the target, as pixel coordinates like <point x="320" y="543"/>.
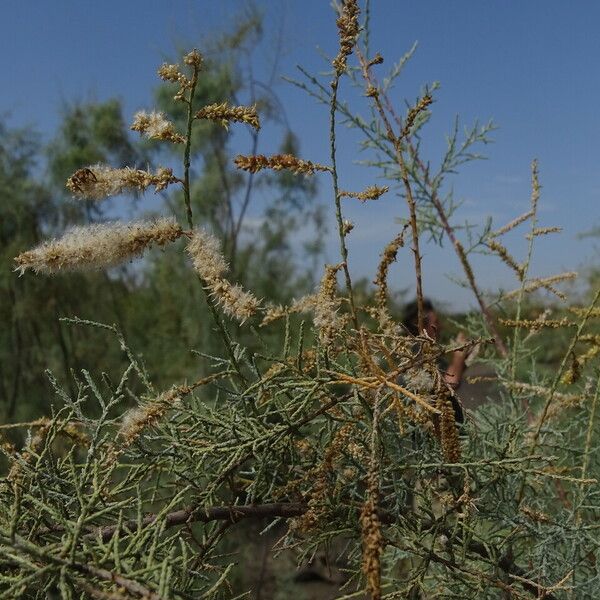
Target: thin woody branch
<point x="284" y="510"/>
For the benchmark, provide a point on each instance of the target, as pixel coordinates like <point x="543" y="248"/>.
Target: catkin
<point x="100" y="181"/>
<point x="98" y="246"/>
<point x="278" y="162"/>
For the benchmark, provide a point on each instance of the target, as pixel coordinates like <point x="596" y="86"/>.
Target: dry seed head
<point x="348" y="29"/>
<point x="373" y="192"/>
<point x="169" y="72"/>
<point x="205" y="251"/>
<point x="460" y="250"/>
<point x="173" y="74"/>
<point x="233" y="299"/>
<point x="371" y="91"/>
<point x="194" y="59"/>
<point x="535" y="186"/>
<point x="319" y="479"/>
<point x="543" y="231"/>
<point x="421" y="379"/>
<point x="278" y="162"/>
<point x="376" y="60"/>
<point x="507" y="258"/>
<point x="327" y="304"/>
<point x="562" y="401"/>
<point x="209" y="263"/>
<point x="449" y="439"/>
<point x="99" y="181"/>
<point x="514" y="223"/>
<point x="414" y="112"/>
<point x="535" y="515"/>
<point x="224" y="114"/>
<point x="273" y="313"/>
<point x="147" y="415"/>
<point x="155" y="126"/>
<point x="98" y="246"/>
<point x="580" y="312"/>
<point x="538" y="323"/>
<point x="543" y="282"/>
<point x="387" y="258"/>
<point x="372" y="547"/>
<point x="304" y="304"/>
<point x="578" y="363"/>
<point x="15" y="475"/>
<point x="347" y="226"/>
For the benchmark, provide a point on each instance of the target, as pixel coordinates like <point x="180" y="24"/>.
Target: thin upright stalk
<point x="188" y="148"/>
<point x="535" y="193"/>
<point x="190" y="219"/>
<point x="336" y="192"/>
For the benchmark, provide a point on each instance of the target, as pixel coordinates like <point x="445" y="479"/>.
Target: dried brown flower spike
<point x="224" y="114"/>
<point x="99" y="181"/>
<point x="373" y="192"/>
<point x="278" y="162"/>
<point x="348" y="31"/>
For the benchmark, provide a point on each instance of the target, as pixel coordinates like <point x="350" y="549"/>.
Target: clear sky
<point x="530" y="66"/>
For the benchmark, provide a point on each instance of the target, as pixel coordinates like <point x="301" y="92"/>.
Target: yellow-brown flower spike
<point x="170" y="72"/>
<point x="387" y="258"/>
<point x="543" y="282"/>
<point x="327" y="305"/>
<point x="414" y="112"/>
<point x="98" y="246"/>
<point x="194" y="59"/>
<point x="99" y="181"/>
<point x="514" y="223"/>
<point x="534" y="325"/>
<point x="278" y="162"/>
<point x="155" y="126"/>
<point x="507" y="258"/>
<point x="348" y="29"/>
<point x="373" y="192"/>
<point x="372" y="547"/>
<point x="224" y="114"/>
<point x="537" y="231"/>
<point x="449" y="439"/>
<point x="173" y="74"/>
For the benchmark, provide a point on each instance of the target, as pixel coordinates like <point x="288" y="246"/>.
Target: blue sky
<point x="530" y="66"/>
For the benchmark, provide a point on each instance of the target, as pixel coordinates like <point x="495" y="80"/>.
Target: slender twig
<point x="286" y="510"/>
<point x="460" y="252"/>
<point x="535" y="192"/>
<point x="188" y="147"/>
<point x="396" y="140"/>
<point x="382" y="99"/>
<point x="336" y="193"/>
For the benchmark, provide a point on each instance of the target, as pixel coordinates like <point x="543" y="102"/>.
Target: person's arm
<point x="455" y="370"/>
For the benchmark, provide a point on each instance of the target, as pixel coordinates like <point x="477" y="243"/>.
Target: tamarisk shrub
<point x="345" y="436"/>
